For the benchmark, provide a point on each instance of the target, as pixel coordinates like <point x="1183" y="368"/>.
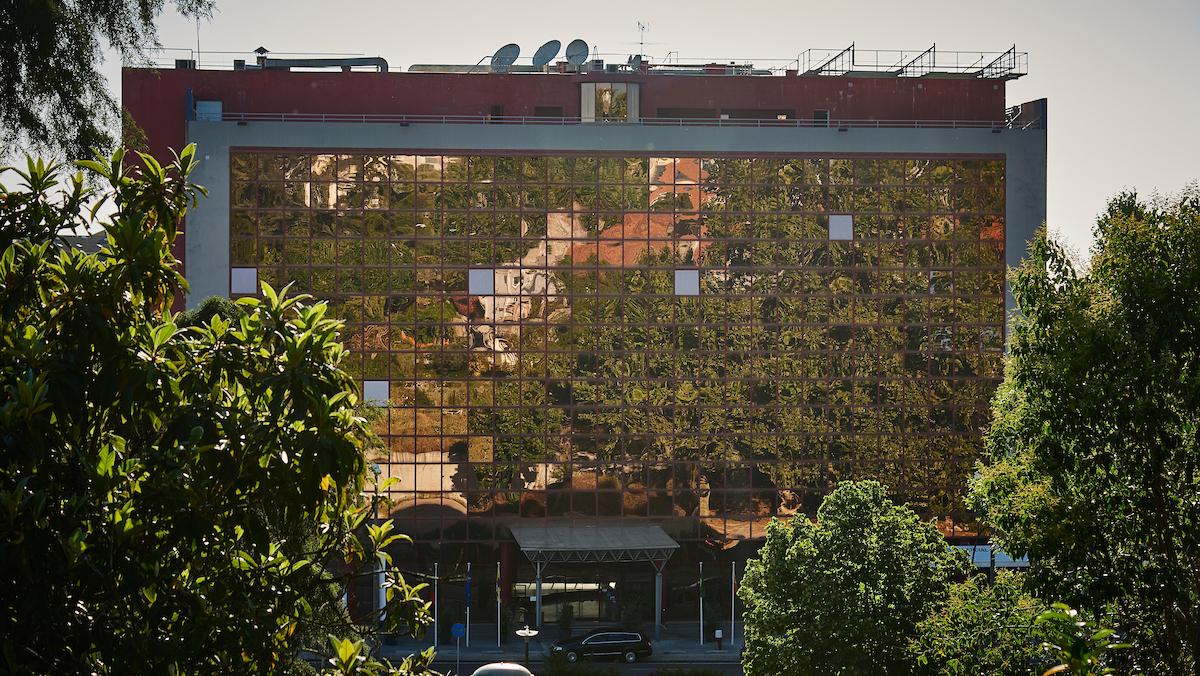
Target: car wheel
<point x="630" y="657"/>
<point x="572" y="656"/>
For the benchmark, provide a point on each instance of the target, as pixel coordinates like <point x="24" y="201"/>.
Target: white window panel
<point x="243" y="280"/>
<point x="687" y="282"/>
<point x="481" y="282"/>
<point x="841" y="226"/>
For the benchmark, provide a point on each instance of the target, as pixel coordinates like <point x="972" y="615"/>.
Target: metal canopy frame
<point x="615" y="543"/>
<point x="592" y="543"/>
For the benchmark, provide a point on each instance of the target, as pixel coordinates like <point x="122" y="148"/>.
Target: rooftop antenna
<point x="546" y="53"/>
<point x="577" y="52"/>
<point x="642" y="28"/>
<point x="504" y="57"/>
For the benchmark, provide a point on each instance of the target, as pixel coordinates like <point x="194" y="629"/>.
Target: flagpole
<point x="701" y="603"/>
<point x="435" y="604"/>
<point x="468" y="604"/>
<point x="732" y="601"/>
<point x="498" y="604"/>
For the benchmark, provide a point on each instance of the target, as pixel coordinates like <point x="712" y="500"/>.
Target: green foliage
<point x="213" y="306"/>
<point x="984" y="629"/>
<point x="1078" y="644"/>
<point x="53" y="94"/>
<point x="845" y="595"/>
<point x="1093" y="451"/>
<point x="566" y="617"/>
<point x="172" y="499"/>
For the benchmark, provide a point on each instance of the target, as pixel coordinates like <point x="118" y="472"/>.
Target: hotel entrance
<point x="621" y="575"/>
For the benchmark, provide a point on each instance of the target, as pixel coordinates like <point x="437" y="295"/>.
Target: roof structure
<point x="591" y="543"/>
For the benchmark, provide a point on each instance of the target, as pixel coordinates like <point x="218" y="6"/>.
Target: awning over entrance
<point x="585" y="543"/>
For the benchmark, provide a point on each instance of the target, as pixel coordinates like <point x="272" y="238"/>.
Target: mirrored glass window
<point x="537" y="325"/>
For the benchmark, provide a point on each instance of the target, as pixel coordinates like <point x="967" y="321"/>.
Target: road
<point x="648" y="668"/>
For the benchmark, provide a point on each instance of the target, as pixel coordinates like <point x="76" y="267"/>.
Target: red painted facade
<point x="156" y="98"/>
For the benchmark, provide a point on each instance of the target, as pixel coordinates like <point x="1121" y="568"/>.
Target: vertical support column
<point x="537" y="565"/>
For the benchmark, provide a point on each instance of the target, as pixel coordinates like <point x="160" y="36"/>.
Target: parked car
<point x="501" y="669"/>
<point x="629" y="646"/>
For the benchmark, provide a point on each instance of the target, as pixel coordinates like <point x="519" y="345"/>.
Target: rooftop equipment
<point x="505" y="57"/>
<point x="577" y="52"/>
<point x="546" y="53"/>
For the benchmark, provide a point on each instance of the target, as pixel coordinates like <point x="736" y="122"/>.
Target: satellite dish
<point x="545" y="53"/>
<point x="505" y="57"/>
<point x="577" y="52"/>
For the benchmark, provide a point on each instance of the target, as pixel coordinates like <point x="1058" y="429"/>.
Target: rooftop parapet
<point x="839" y="62"/>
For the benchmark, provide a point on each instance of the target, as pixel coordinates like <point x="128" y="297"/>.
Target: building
<point x="620" y="314"/>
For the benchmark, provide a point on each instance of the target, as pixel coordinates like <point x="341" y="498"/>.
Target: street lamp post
<point x="527" y="634"/>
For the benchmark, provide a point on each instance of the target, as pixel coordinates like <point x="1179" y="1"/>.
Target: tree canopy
<point x="1093" y="451"/>
<point x="183" y="500"/>
<point x="53" y="96"/>
<point x="845" y="595"/>
<point x="984" y="629"/>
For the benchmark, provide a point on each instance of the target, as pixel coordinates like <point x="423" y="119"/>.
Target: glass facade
<point x="702" y="341"/>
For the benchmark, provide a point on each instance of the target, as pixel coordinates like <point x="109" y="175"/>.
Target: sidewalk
<point x="678" y="639"/>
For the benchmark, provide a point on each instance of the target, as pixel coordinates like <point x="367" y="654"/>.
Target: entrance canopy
<point x="586" y="543"/>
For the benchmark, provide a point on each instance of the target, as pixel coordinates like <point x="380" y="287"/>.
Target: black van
<point x="629" y="646"/>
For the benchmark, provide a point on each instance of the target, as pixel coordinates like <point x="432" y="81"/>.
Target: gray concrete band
<point x="207" y="244"/>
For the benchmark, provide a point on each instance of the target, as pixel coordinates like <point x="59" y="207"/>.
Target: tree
<point x="846" y="594"/>
<point x="174" y="499"/>
<point x="1093" y="450"/>
<point x="52" y="93"/>
<point x="984" y="629"/>
<point x="1077" y="644"/>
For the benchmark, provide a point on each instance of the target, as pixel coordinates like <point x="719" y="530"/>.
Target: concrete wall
<point x="207" y="228"/>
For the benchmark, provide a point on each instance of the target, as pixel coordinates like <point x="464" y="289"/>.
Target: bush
<point x="566" y="615"/>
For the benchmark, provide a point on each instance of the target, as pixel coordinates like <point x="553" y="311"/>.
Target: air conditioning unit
<point x="185" y="64"/>
<point x="596" y="65"/>
<point x="613" y="68"/>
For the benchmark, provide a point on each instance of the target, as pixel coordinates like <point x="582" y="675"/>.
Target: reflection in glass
<point x="582" y="337"/>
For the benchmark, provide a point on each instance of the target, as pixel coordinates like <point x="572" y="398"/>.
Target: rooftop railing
<point x="645" y="121"/>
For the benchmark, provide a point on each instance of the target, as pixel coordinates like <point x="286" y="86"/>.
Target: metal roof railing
<point x="645" y="121"/>
<point x="1006" y="65"/>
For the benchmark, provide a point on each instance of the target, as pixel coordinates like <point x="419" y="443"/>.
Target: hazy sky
<point x="1122" y="78"/>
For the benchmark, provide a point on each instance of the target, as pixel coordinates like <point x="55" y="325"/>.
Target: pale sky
<point x="1122" y="78"/>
